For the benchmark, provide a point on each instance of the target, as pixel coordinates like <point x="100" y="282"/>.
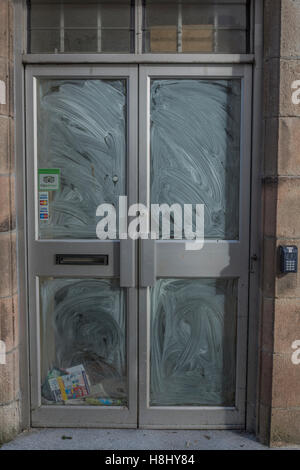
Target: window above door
<point x="139" y="26"/>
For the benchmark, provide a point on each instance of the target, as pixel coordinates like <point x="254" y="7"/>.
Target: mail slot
<point x="99" y="260"/>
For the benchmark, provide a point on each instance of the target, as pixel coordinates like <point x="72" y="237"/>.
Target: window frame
<point x="137" y="41"/>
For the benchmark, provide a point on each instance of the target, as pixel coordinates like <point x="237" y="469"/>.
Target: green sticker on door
<point x="49" y="179"/>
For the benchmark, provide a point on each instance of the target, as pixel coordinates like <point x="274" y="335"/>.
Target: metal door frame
<point x="170" y="254"/>
<point x="207" y="417"/>
<point x="41" y="256"/>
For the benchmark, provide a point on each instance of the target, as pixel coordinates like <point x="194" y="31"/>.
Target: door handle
<point x="127" y="263"/>
<point x="148" y="263"/>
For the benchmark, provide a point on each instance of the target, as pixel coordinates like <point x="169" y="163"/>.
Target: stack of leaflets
<point x="70" y="386"/>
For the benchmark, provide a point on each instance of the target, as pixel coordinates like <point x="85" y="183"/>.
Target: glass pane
<point x="80" y="15"/>
<point x="81" y="132"/>
<point x="161" y="14"/>
<point x="194" y="26"/>
<point x="43" y="16"/>
<point x="161" y="39"/>
<point x="226" y="40"/>
<point x="83" y="342"/>
<point x="45" y="40"/>
<point x="195" y="39"/>
<point x="193" y="342"/>
<point x="195" y="149"/>
<point x="227" y="15"/>
<point x="116" y="15"/>
<point x="80" y="40"/>
<point x="116" y="40"/>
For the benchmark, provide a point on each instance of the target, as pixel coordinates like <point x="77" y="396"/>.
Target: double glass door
<point x="137" y="332"/>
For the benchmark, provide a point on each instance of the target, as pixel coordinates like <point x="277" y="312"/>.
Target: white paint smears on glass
<point x="83" y="322"/>
<point x="193" y="342"/>
<point x="195" y="149"/>
<point x="81" y="131"/>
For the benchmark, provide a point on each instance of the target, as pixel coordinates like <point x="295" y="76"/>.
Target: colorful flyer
<point x="49" y="179"/>
<point x="70" y="386"/>
<point x="44" y="205"/>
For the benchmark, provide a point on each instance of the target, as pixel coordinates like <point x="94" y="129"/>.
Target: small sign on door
<point x="44" y="205"/>
<point x="49" y="179"/>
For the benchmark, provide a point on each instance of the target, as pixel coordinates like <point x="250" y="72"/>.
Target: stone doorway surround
<point x="279" y="407"/>
<point x="278" y="393"/>
<point x="9" y="372"/>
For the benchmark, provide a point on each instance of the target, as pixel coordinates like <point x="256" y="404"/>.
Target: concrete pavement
<point x="132" y="439"/>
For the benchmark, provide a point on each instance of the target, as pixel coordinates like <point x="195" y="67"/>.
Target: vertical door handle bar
<point x="148" y="263"/>
<point x="127" y="263"/>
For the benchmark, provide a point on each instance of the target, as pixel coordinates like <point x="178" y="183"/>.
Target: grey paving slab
<point x="131" y="439"/>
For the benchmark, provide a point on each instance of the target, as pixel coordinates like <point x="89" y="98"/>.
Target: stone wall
<point x="280" y="378"/>
<point x="9" y="371"/>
